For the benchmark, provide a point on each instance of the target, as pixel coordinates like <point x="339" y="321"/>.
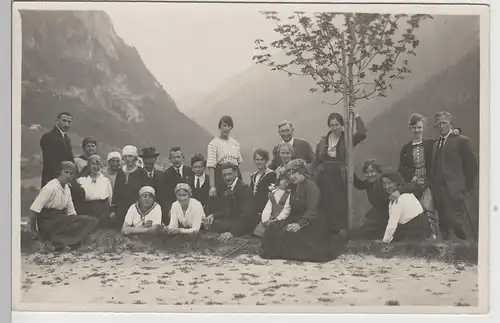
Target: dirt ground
<point x="201" y="279"/>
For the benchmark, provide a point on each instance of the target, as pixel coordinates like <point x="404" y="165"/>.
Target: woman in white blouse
<point x="186" y="214"/>
<point x="221" y="150"/>
<point x="277" y="208"/>
<point x="98" y="190"/>
<point x="407" y="220"/>
<point x="143" y="217"/>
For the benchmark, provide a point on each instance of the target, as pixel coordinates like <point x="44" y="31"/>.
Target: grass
<point x="207" y="244"/>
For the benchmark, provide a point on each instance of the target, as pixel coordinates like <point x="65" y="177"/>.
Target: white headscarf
<point x="147" y="189"/>
<point x="130" y="151"/>
<point x="114" y="154"/>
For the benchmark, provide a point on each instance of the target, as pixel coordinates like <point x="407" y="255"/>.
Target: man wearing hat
<point x="454" y="173"/>
<point x="149" y="157"/>
<point x="89" y="146"/>
<point x="53" y="216"/>
<point x="56" y="147"/>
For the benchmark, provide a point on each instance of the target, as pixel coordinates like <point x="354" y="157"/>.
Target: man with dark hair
<point x="454" y="172"/>
<point x="56" y="147"/>
<point x="201" y="181"/>
<point x="302" y="148"/>
<point x="234" y="215"/>
<point x="175" y="174"/>
<point x="149" y="156"/>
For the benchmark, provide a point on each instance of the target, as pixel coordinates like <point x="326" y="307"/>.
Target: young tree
<point x="354" y="56"/>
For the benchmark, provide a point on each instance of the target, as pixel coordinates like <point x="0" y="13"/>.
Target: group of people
<point x="296" y="200"/>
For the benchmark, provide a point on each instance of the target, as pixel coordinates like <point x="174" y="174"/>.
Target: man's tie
<point x="178" y="172"/>
<point x="441" y="142"/>
<point x="198" y="182"/>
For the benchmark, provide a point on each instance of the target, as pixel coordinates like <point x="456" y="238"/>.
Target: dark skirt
<point x="99" y="209"/>
<point x="65" y="230"/>
<point x="313" y="243"/>
<point x="373" y="226"/>
<point x="331" y="180"/>
<point x="418" y="229"/>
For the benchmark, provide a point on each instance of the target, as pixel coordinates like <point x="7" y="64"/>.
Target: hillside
<point x="74" y="61"/>
<point x="260" y="98"/>
<point x="456" y="90"/>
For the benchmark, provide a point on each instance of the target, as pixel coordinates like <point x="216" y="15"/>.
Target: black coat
<point x="170" y="180"/>
<point x="156" y="182"/>
<point x="261" y="194"/>
<point x="55" y="149"/>
<point x="201" y="194"/>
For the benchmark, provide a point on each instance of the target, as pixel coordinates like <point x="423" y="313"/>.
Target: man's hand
<point x="32" y="229"/>
<point x="212" y="192"/>
<point x="112" y="216"/>
<point x="394" y="196"/>
<point x="293" y="227"/>
<point x="207" y="223"/>
<point x="225" y="237"/>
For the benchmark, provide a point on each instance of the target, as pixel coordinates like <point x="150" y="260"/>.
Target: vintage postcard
<point x="250" y="157"/>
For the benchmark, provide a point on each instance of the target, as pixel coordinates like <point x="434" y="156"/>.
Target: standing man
<point x="455" y="169"/>
<point x="149" y="157"/>
<point x="303" y="150"/>
<point x="56" y="147"/>
<point x="201" y="181"/>
<point x="175" y="174"/>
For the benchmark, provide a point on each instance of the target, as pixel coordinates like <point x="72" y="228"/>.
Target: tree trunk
<point x="349" y="117"/>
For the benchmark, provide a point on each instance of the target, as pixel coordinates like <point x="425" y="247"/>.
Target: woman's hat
<point x="149" y="152"/>
<point x="298" y="165"/>
<point x="114" y="154"/>
<point x="183" y="186"/>
<point x="89" y="140"/>
<point x="67" y="165"/>
<point x="129" y="151"/>
<point x="147" y="189"/>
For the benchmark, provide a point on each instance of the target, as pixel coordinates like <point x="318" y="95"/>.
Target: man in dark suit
<point x="155" y="176"/>
<point x="235" y="214"/>
<point x="201" y="182"/>
<point x="175" y="174"/>
<point x="56" y="147"/>
<point x="454" y="173"/>
<point x="302" y="148"/>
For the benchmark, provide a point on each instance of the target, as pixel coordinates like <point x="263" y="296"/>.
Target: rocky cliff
<point x="74" y="61"/>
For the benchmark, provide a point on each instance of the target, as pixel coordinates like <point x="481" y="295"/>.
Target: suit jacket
<point x="406" y="162"/>
<point x="156" y="183"/>
<point x="456" y="165"/>
<point x="237" y="206"/>
<point x="55" y="149"/>
<point x="170" y="180"/>
<point x="261" y="193"/>
<point x="302" y="148"/>
<point x="201" y="194"/>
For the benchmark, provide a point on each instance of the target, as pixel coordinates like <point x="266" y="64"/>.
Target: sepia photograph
<point x="179" y="157"/>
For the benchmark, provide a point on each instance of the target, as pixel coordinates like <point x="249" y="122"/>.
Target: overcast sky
<point x="191" y="49"/>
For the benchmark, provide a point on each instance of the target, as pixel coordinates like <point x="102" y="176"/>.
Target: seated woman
<point x="375" y="221"/>
<point x="276" y="209"/>
<point x="186" y="214"/>
<point x="98" y="190"/>
<point x="53" y="214"/>
<point x="304" y="234"/>
<point x="144" y="216"/>
<point x="407" y="220"/>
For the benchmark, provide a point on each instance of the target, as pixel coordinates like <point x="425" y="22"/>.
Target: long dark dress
<point x="331" y="177"/>
<point x="313" y="242"/>
<point x="375" y="220"/>
<point x="126" y="193"/>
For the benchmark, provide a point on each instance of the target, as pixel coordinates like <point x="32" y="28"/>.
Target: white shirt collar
<point x="234" y="184"/>
<point x="447" y="135"/>
<point x="201" y="177"/>
<point x="62" y="132"/>
<point x="180" y="169"/>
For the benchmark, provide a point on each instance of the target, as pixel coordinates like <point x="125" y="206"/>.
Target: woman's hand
<point x="207" y="222"/>
<point x="172" y="231"/>
<point x="112" y="216"/>
<point x="148" y="224"/>
<point x="212" y="192"/>
<point x="293" y="227"/>
<point x="394" y="196"/>
<point x="32" y="229"/>
<point x="225" y="237"/>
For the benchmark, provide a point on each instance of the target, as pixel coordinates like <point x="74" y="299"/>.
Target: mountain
<point x="259" y="98"/>
<point x="74" y="61"/>
<point x="456" y="89"/>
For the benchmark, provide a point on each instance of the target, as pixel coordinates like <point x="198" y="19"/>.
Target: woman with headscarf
<point x="53" y="216"/>
<point x="303" y="235"/>
<point x="98" y="190"/>
<point x="114" y="163"/>
<point x="329" y="167"/>
<point x="89" y="146"/>
<point x="407" y="220"/>
<point x="144" y="216"/>
<point x="129" y="180"/>
<point x="186" y="214"/>
<point x="222" y="150"/>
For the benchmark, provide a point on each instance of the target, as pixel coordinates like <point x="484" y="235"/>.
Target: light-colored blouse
<point x="189" y="221"/>
<point x="54" y="196"/>
<point x="401" y="211"/>
<point x="222" y="151"/>
<point x="136" y="218"/>
<point x="97" y="190"/>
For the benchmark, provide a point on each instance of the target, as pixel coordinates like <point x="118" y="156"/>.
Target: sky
<point x="192" y="49"/>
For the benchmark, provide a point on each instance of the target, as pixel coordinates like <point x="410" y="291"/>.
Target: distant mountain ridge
<point x="74" y="61"/>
